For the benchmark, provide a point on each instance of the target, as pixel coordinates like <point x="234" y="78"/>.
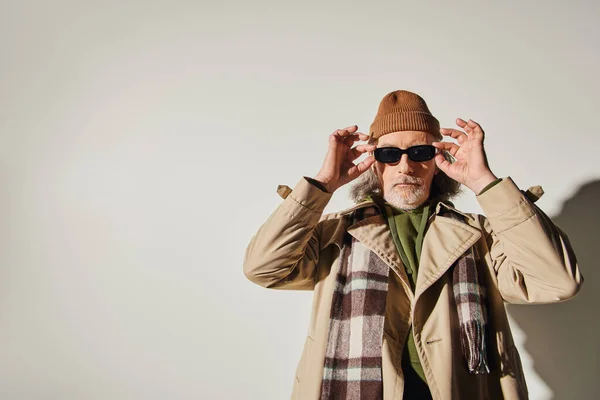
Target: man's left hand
<point x="471" y="166"/>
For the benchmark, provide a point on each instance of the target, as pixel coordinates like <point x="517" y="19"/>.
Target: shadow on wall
<point x="562" y="339"/>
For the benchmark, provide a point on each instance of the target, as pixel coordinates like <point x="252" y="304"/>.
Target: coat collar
<point x="373" y="232"/>
<point x="445" y="240"/>
<point x="440" y="208"/>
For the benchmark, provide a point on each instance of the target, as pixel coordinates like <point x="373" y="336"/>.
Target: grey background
<point x="141" y="144"/>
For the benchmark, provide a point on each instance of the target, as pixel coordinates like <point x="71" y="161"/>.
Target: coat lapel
<point x="374" y="233"/>
<point x="445" y="241"/>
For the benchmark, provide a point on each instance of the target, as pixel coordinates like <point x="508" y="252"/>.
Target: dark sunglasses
<point x="390" y="155"/>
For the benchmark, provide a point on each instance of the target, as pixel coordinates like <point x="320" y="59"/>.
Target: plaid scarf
<point x="353" y="356"/>
<point x="469" y="296"/>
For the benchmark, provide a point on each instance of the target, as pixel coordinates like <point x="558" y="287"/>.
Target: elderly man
<point x="409" y="292"/>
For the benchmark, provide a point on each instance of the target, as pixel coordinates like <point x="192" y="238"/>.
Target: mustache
<point x="411" y="180"/>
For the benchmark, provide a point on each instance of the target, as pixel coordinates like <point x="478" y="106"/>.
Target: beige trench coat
<point x="528" y="261"/>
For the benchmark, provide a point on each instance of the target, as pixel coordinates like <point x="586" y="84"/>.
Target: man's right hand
<point x="338" y="167"/>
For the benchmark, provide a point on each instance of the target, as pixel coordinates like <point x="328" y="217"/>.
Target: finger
<point x="473" y="124"/>
<point x="362" y="136"/>
<point x="476" y="129"/>
<point x="340" y="135"/>
<point x="359" y="136"/>
<point x="448" y="146"/>
<point x="346" y="131"/>
<point x="460" y="136"/>
<point x="352" y="138"/>
<point x="465" y="125"/>
<point x="337" y="147"/>
<point x="361" y="149"/>
<point x="461" y="122"/>
<point x="442" y="163"/>
<point x="333" y="139"/>
<point x="348" y="157"/>
<point x="361" y="167"/>
<point x="365" y="164"/>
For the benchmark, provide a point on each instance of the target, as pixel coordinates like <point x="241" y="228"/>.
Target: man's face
<point x="406" y="184"/>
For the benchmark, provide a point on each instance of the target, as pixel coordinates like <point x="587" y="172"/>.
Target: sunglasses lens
<point x="421" y="153"/>
<point x="387" y="154"/>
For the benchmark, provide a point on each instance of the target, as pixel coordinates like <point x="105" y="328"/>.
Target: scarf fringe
<point x="472" y="337"/>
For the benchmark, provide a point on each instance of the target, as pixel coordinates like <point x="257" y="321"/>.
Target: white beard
<point x="407" y="198"/>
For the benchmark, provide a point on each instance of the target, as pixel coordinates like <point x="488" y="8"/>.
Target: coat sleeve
<point x="284" y="253"/>
<point x="532" y="258"/>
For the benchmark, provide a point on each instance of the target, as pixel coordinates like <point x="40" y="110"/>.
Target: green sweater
<point x="407" y="229"/>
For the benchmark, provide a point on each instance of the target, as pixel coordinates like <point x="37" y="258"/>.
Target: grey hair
<point x="365" y="185"/>
<point x="443" y="188"/>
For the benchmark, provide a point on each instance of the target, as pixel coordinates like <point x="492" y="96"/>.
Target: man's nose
<point x="405" y="165"/>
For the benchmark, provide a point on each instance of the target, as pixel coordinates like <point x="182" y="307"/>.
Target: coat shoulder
<point x="333" y="225"/>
